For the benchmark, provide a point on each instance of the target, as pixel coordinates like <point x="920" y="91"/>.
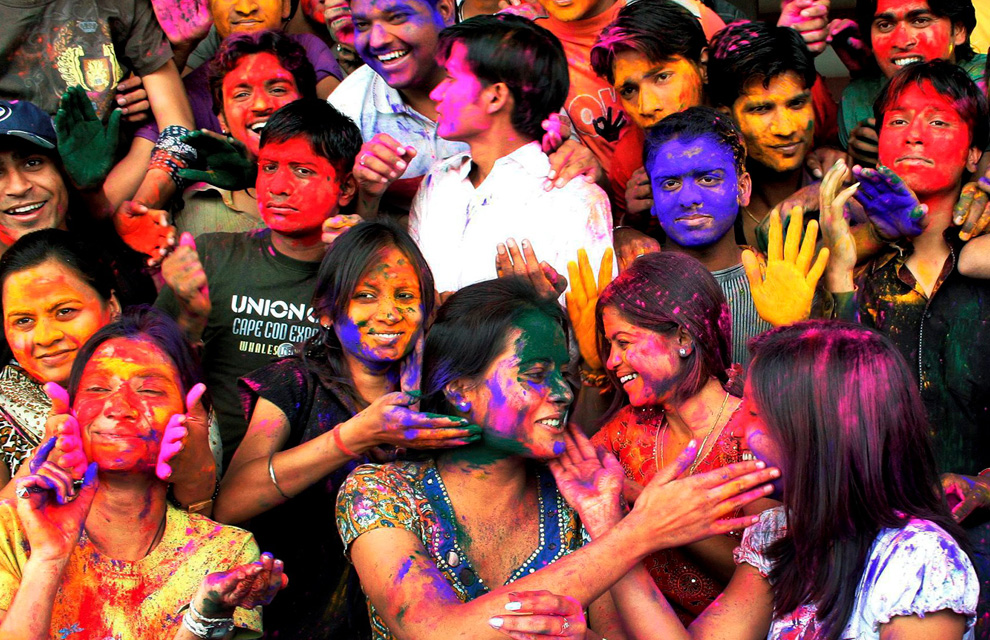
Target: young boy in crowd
<point x="933" y="123"/>
<point x="504" y="76"/>
<point x="902" y="32"/>
<point x="762" y="76"/>
<point x="307" y="149"/>
<point x="389" y="99"/>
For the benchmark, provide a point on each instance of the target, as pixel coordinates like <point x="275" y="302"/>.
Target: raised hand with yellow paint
<point x="581" y="301"/>
<point x="783" y="292"/>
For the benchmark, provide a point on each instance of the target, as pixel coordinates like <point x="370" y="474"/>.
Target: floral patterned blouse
<point x="632" y="437"/>
<point x="411" y="495"/>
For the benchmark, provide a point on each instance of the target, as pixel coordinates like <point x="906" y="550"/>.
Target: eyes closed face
<point x="925" y="141"/>
<point x="650" y="91"/>
<point x="252" y="92"/>
<point x="777" y="121"/>
<point x="128" y="392"/>
<point x="646" y="362"/>
<point x="522" y="399"/>
<point x="49" y="313"/>
<point x="906" y="31"/>
<point x="297" y="189"/>
<point x="398" y="39"/>
<point x="385" y="314"/>
<point x="696" y="192"/>
<point x="748" y="426"/>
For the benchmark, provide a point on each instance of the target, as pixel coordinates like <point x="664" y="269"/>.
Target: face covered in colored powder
<point x="696" y="190"/>
<point x="521" y="401"/>
<point x="646" y="362"/>
<point x="128" y="392"/>
<point x="297" y="188"/>
<point x="398" y="39"/>
<point x="748" y="426"/>
<point x="385" y="315"/>
<point x="49" y="312"/>
<point x="650" y="91"/>
<point x="571" y="10"/>
<point x="252" y="91"/>
<point x="245" y="16"/>
<point x="777" y="121"/>
<point x="460" y="110"/>
<point x="33" y="194"/>
<point x="925" y="140"/>
<point x="906" y="31"/>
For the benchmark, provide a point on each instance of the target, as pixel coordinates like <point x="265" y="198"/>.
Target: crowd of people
<point x="532" y="318"/>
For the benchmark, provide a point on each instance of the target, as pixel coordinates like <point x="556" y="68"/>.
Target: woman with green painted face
<point x="454" y="545"/>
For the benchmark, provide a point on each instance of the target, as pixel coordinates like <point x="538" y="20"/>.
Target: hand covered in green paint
<point x="87" y="147"/>
<point x="590" y="480"/>
<point x="247" y="586"/>
<point x="51" y="511"/>
<point x="972" y="212"/>
<point x="835" y="229"/>
<point x="890" y="205"/>
<point x="581" y="302"/>
<point x="509" y="262"/>
<point x="537" y="614"/>
<point x="389" y="420"/>
<point x="783" y="294"/>
<point x="966" y="494"/>
<point x="228" y="163"/>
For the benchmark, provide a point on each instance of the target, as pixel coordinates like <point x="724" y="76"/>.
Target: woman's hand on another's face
<point x="531" y="615"/>
<point x="63" y="426"/>
<point x="246" y="586"/>
<point x="674" y="511"/>
<point x="50" y="508"/>
<point x="389" y="420"/>
<point x="590" y="480"/>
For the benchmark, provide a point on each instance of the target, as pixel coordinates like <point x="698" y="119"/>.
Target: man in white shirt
<point x="504" y="77"/>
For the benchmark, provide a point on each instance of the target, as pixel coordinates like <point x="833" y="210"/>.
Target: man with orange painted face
<point x="762" y="76"/>
<point x="247" y="295"/>
<point x="902" y="32"/>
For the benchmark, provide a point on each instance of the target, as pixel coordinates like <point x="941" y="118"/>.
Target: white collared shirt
<point x="458" y="226"/>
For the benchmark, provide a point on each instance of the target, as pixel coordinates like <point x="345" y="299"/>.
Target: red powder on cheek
<point x="297" y="189"/>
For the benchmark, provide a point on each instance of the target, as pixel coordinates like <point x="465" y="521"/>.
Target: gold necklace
<point x="657" y="460"/>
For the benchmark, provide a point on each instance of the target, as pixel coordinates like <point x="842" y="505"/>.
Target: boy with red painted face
<point x="246" y="295"/>
<point x="504" y="76"/>
<point x="933" y="125"/>
<point x="763" y="76"/>
<point x="902" y="32"/>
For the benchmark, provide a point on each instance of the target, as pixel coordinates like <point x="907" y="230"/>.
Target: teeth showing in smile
<point x="392" y="55"/>
<point x="258" y="126"/>
<point x="28" y="208"/>
<point x="628" y="377"/>
<point x="551" y="422"/>
<point x="748" y="455"/>
<point x="906" y="61"/>
<point x="387" y="336"/>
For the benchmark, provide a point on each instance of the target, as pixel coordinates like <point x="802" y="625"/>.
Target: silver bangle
<point x="271" y="474"/>
<point x="206" y="631"/>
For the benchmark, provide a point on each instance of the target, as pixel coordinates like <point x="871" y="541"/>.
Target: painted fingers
<point x="531" y="615"/>
<point x="570" y="160"/>
<point x="381" y="161"/>
<point x="511" y="262"/>
<point x="972" y="212"/>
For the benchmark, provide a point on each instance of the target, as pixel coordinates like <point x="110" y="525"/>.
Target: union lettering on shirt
<point x="268" y="308"/>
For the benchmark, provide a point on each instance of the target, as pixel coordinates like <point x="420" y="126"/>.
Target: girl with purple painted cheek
<point x="351" y="390"/>
<point x="664" y="334"/>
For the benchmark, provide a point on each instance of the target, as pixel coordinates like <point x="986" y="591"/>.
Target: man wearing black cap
<point x="33" y="192"/>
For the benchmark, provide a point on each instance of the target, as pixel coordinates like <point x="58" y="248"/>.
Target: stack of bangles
<point x="206" y="628"/>
<point x="172" y="154"/>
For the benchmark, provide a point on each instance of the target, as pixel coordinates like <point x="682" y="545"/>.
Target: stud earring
<point x="683" y="352"/>
<point x="463" y="405"/>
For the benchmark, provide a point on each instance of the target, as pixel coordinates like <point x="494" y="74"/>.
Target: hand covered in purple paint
<point x="63" y="426"/>
<point x="972" y="212"/>
<point x="570" y="160"/>
<point x="247" y="586"/>
<point x="389" y="420"/>
<point x="185" y="453"/>
<point x="783" y="294"/>
<point x="966" y="494"/>
<point x="835" y="229"/>
<point x="890" y="205"/>
<point x="509" y="263"/>
<point x="538" y="614"/>
<point x="51" y="511"/>
<point x="590" y="480"/>
<point x="184" y="21"/>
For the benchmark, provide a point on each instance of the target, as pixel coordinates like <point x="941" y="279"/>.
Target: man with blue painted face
<point x="696" y="162"/>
